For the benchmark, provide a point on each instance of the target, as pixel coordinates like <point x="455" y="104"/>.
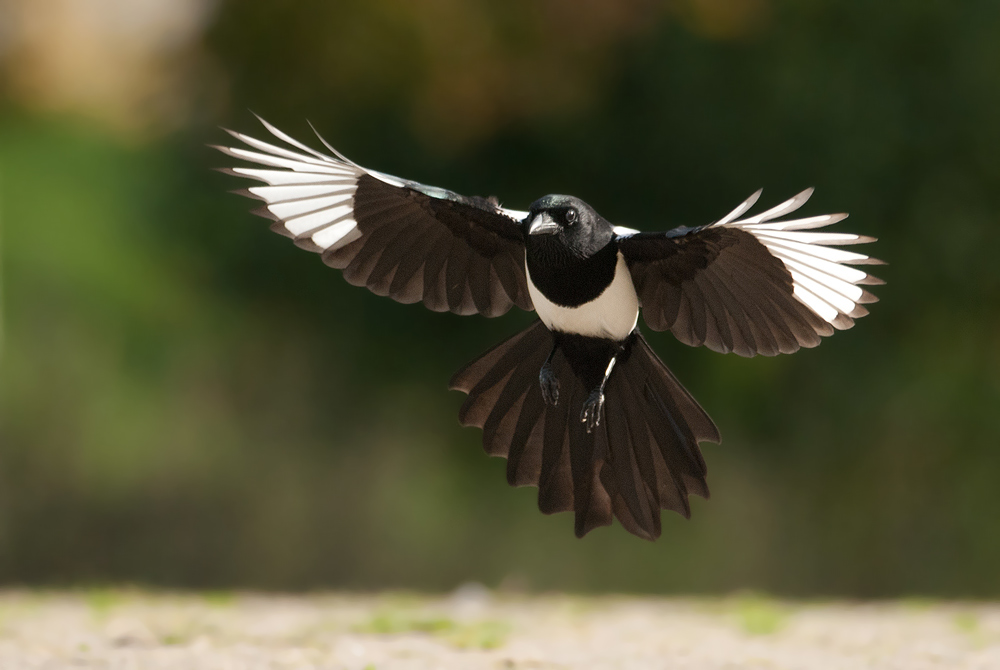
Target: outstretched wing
<point x="398" y="238"/>
<point x="752" y="285"/>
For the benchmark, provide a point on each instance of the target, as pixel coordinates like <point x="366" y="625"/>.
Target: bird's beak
<point x="543" y="224"/>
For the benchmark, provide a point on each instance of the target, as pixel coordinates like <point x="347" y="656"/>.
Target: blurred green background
<point x="188" y="400"/>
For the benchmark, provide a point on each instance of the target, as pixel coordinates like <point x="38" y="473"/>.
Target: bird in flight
<point x="578" y="403"/>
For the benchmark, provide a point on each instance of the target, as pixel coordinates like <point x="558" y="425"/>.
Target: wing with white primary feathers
<point x="399" y="238"/>
<point x="752" y="285"/>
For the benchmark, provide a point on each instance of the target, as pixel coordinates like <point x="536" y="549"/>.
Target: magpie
<point x="578" y="403"/>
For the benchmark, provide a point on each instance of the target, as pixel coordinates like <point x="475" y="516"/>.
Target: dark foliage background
<point x="188" y="400"/>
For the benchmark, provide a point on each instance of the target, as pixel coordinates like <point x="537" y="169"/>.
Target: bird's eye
<point x="571" y="216"/>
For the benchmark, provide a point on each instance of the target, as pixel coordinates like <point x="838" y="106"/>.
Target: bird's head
<point x="568" y="222"/>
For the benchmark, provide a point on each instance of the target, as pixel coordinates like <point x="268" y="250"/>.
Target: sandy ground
<point x="474" y="628"/>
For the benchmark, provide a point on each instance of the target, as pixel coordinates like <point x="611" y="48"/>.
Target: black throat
<point x="567" y="279"/>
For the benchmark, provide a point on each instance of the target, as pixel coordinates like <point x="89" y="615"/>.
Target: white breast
<point x="612" y="315"/>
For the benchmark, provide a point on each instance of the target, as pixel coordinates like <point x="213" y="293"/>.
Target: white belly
<point x="612" y="315"/>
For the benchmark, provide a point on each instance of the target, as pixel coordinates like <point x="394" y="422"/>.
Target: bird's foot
<point x="550" y="385"/>
<point x="592" y="408"/>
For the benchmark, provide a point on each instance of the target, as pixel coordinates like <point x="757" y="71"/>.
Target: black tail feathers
<point x="643" y="457"/>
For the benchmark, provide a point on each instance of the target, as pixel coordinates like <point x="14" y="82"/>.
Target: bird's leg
<point x="549" y="382"/>
<point x="594" y="405"/>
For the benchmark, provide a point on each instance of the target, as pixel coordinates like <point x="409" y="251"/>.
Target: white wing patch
<point x="311" y="194"/>
<point x="822" y="278"/>
<point x="516" y="214"/>
<point x="622" y="231"/>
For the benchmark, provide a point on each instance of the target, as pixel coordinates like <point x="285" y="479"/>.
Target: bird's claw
<point x="591" y="414"/>
<point x="550" y="385"/>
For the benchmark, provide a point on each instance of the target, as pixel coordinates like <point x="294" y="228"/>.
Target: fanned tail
<point x="643" y="457"/>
